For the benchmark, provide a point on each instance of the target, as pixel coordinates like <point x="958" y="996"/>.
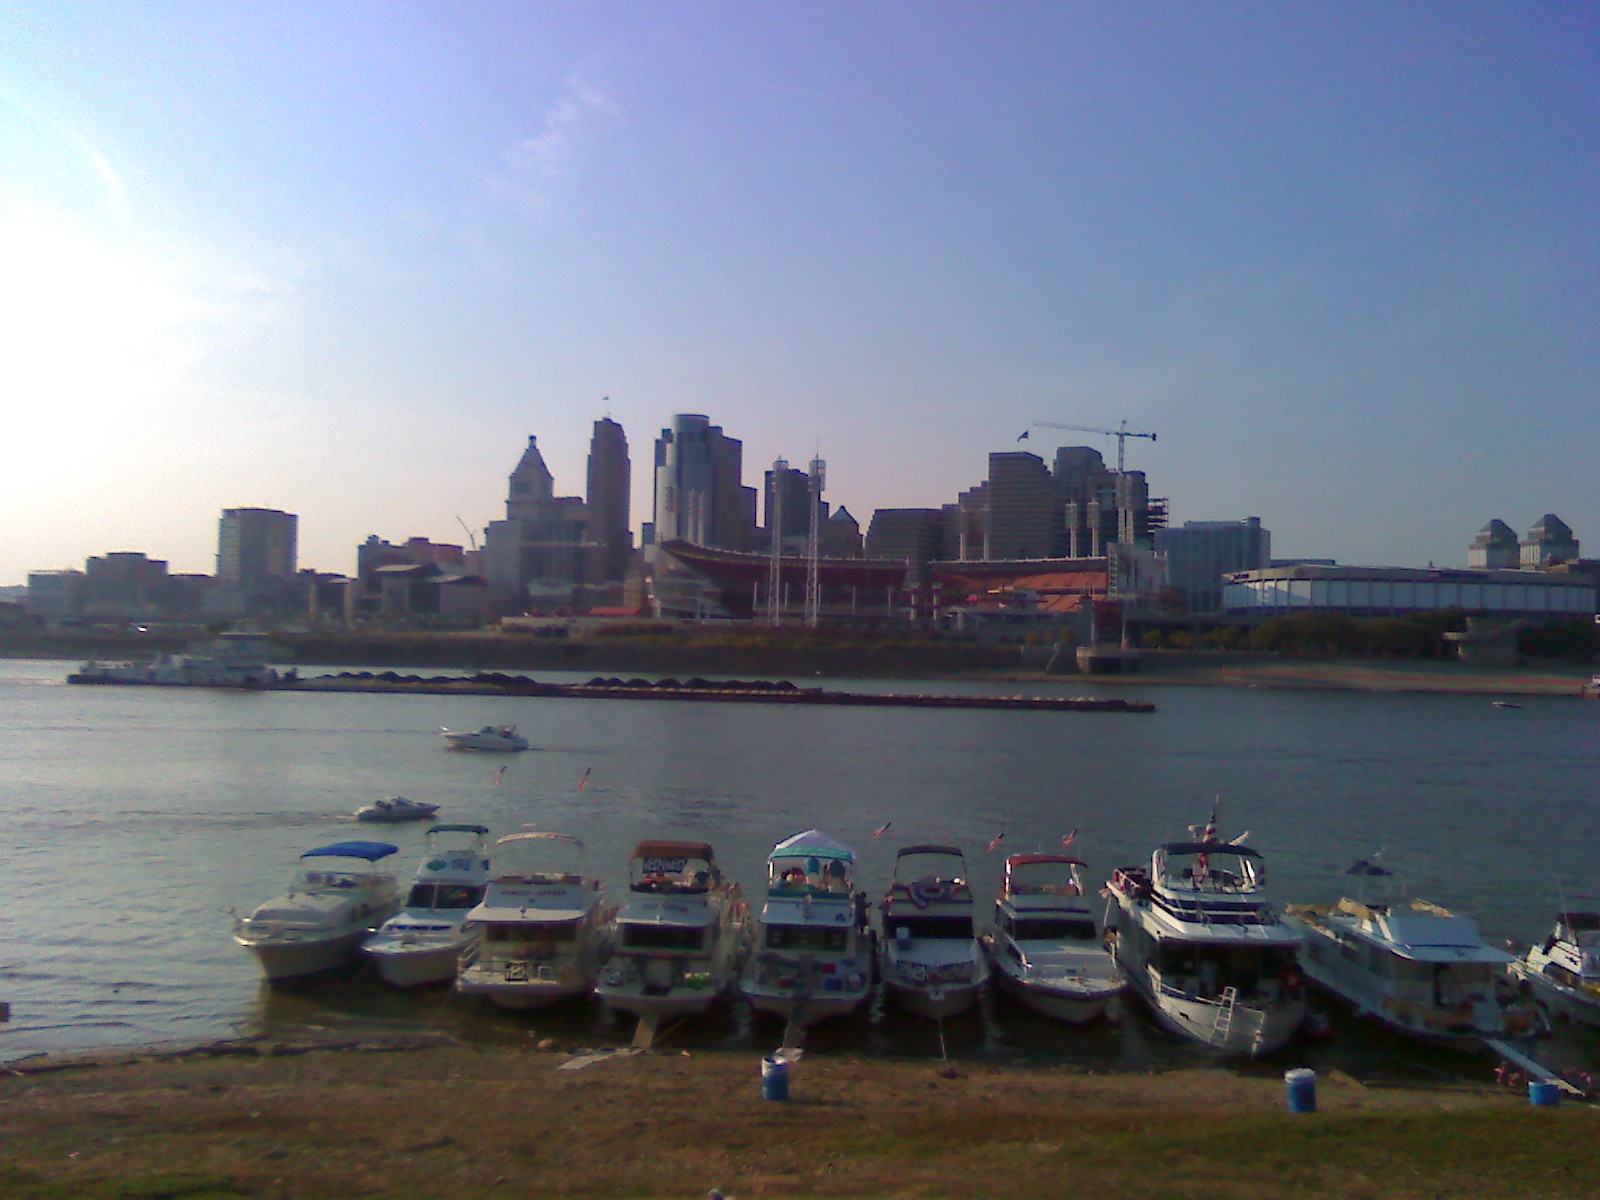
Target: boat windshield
<point x="443" y="895"/>
<point x="662" y="937"/>
<point x="953" y="927"/>
<point x="1054" y="929"/>
<point x="328" y="875"/>
<point x="806" y="937"/>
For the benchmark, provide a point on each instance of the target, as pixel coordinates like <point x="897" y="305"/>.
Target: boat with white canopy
<point x="812" y="957"/>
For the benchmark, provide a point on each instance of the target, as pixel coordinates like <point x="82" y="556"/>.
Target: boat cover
<point x="813" y="843"/>
<point x="1210" y="848"/>
<point x="481" y="830"/>
<point x="371" y="851"/>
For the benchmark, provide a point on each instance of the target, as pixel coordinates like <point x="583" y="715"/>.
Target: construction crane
<point x="1122" y="435"/>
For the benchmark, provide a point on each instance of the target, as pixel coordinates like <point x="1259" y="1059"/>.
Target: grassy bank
<point x="451" y="1121"/>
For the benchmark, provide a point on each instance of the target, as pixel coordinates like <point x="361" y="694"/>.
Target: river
<point x="136" y="818"/>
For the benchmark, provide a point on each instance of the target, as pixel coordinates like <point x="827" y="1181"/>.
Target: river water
<point x="135" y="818"/>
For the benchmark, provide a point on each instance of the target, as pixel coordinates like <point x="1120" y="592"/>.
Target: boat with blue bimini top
<point x="424" y="941"/>
<point x="679" y="938"/>
<point x="1204" y="949"/>
<point x="340" y="892"/>
<point x="541" y="924"/>
<point x="1047" y="950"/>
<point x="1420" y="969"/>
<point x="930" y="958"/>
<point x="812" y="957"/>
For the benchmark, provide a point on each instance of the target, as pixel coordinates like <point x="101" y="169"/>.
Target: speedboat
<point x="929" y="955"/>
<point x="490" y="737"/>
<point x="812" y="957"/>
<point x="423" y="942"/>
<point x="540" y="924"/>
<point x="339" y="893"/>
<point x="1416" y="967"/>
<point x="1047" y="952"/>
<point x="396" y="808"/>
<point x="1564" y="970"/>
<point x="1203" y="948"/>
<point x="679" y="938"/>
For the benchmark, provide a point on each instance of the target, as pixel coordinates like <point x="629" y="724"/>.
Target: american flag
<point x="882" y="829"/>
<point x="995" y="845"/>
<point x="1066" y="842"/>
<point x="584" y="782"/>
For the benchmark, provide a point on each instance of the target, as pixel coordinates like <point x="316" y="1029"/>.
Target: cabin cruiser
<point x="396" y="808"/>
<point x="424" y="941"/>
<point x="812" y="957"/>
<point x="679" y="938"/>
<point x="1046" y="949"/>
<point x="490" y="737"/>
<point x="1563" y="971"/>
<point x="929" y="954"/>
<point x="1416" y="967"/>
<point x="541" y="924"/>
<point x="339" y="893"/>
<point x="1201" y="945"/>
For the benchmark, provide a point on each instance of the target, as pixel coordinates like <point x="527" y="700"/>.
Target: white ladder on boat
<point x="1224" y="1022"/>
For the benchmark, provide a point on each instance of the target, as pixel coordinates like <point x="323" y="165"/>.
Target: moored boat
<point x="1203" y="948"/>
<point x="424" y="941"/>
<point x="930" y="959"/>
<point x="540" y="924"/>
<point x="1046" y="948"/>
<point x="678" y="939"/>
<point x="500" y="738"/>
<point x="812" y="957"/>
<point x="1412" y="965"/>
<point x="1563" y="971"/>
<point x="339" y="894"/>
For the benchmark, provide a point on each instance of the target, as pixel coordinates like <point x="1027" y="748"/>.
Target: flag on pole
<point x="882" y="829"/>
<point x="1210" y="832"/>
<point x="1066" y="842"/>
<point x="995" y="845"/>
<point x="1023" y="436"/>
<point x="584" y="782"/>
<point x="498" y="777"/>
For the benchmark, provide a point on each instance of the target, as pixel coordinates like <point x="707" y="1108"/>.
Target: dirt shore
<point x="436" y="1119"/>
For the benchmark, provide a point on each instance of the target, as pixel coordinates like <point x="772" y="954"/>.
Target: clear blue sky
<point x="342" y="259"/>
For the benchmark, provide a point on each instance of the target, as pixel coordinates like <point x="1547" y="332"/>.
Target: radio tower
<point x="819" y="471"/>
<point x="775" y="564"/>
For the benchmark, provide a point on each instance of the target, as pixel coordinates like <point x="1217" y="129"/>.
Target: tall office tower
<point x="256" y="547"/>
<point x="1494" y="549"/>
<point x="1550" y="540"/>
<point x="915" y="536"/>
<point x="1023" y="509"/>
<point x="609" y="497"/>
<point x="534" y="557"/>
<point x="786" y="491"/>
<point x="699" y="496"/>
<point x="1200" y="553"/>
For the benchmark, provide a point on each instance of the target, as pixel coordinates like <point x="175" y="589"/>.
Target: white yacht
<point x="502" y="738"/>
<point x="339" y="894"/>
<point x="812" y="957"/>
<point x="1046" y="948"/>
<point x="1563" y="971"/>
<point x="541" y="924"/>
<point x="679" y="937"/>
<point x="393" y="809"/>
<point x="1201" y="945"/>
<point x="1414" y="966"/>
<point x="424" y="941"/>
<point x="929" y="954"/>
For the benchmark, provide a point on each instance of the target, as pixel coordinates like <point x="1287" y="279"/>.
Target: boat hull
<point x="408" y="966"/>
<point x="1573" y="1003"/>
<point x="935" y="1003"/>
<point x="284" y="958"/>
<point x="519" y="995"/>
<point x="1250" y="1032"/>
<point x="803" y="1008"/>
<point x="1077" y="1007"/>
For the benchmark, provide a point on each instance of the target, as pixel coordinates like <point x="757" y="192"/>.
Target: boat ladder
<point x="1224" y="1022"/>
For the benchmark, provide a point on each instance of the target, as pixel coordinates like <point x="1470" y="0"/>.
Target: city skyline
<point x="342" y="263"/>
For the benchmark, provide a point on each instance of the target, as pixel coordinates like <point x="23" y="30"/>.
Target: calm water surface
<point x="136" y="818"/>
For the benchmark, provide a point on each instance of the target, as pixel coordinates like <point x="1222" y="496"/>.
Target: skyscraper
<point x="699" y="494"/>
<point x="256" y="547"/>
<point x="609" y="497"/>
<point x="534" y="558"/>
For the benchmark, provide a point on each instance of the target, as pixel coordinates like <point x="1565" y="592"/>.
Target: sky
<point x="344" y="259"/>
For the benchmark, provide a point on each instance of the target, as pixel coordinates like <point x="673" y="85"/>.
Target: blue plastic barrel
<point x="1543" y="1094"/>
<point x="774" y="1078"/>
<point x="1300" y="1085"/>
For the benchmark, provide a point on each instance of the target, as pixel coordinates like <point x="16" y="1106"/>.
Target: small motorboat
<point x="396" y="808"/>
<point x="1564" y="969"/>
<point x="339" y="894"/>
<point x="503" y="738"/>
<point x="424" y="941"/>
<point x="1504" y="704"/>
<point x="929" y="954"/>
